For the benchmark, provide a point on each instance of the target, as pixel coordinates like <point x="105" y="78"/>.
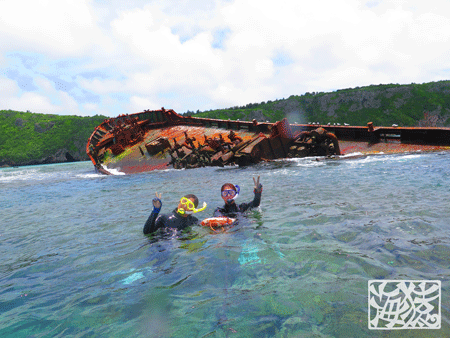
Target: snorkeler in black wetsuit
<point x="230" y="193"/>
<point x="179" y="219"/>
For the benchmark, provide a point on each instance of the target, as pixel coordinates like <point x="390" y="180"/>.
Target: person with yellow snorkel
<point x="229" y="194"/>
<point x="179" y="219"/>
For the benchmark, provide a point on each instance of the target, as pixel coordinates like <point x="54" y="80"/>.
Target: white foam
<point x="113" y="171"/>
<point x="352" y="155"/>
<point x="385" y="158"/>
<point x="304" y="161"/>
<point x="411" y="156"/>
<point x="90" y="175"/>
<point x="168" y="170"/>
<point x="23" y="175"/>
<point x="227" y="167"/>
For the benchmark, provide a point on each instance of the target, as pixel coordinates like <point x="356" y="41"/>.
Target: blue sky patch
<point x="94" y="74"/>
<point x="219" y="38"/>
<point x="28" y="60"/>
<point x="61" y="84"/>
<point x="185" y="33"/>
<point x="167" y="95"/>
<point x="119" y="96"/>
<point x="282" y="59"/>
<point x="372" y="3"/>
<point x="84" y="96"/>
<point x="25" y="82"/>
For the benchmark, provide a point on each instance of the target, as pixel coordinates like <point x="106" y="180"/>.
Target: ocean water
<point x="75" y="263"/>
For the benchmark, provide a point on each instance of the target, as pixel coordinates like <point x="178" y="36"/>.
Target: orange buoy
<point x="215" y="222"/>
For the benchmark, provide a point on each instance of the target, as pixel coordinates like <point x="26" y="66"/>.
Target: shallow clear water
<point x="74" y="261"/>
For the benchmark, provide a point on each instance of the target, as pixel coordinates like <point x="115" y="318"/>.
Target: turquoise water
<point x="75" y="263"/>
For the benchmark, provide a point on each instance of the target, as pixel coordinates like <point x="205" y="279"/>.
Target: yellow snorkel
<point x="190" y="206"/>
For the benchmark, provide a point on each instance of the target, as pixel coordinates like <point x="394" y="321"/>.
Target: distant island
<point x="28" y="138"/>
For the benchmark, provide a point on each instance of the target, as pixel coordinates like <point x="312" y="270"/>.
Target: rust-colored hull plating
<point x="162" y="139"/>
<point x="135" y="162"/>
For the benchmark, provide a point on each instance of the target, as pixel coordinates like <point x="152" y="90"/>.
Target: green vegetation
<point x="28" y="138"/>
<point x="404" y="105"/>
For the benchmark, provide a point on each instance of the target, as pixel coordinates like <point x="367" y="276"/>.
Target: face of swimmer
<point x="228" y="192"/>
<point x="187" y="203"/>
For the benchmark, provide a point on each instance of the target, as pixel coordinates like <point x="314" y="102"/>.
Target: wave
<point x="46" y="173"/>
<point x="113" y="171"/>
<point x="387" y="158"/>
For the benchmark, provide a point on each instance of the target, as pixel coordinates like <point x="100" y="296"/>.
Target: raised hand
<point x="157" y="201"/>
<point x="258" y="186"/>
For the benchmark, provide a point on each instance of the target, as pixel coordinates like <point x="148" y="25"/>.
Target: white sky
<point x="113" y="57"/>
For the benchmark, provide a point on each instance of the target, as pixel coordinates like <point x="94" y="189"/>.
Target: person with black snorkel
<point x="179" y="219"/>
<point x="229" y="194"/>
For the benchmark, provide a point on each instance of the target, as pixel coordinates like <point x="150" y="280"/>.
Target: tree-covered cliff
<point x="29" y="138"/>
<point x="425" y="104"/>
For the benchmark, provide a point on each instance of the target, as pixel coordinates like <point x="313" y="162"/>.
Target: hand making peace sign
<point x="258" y="186"/>
<point x="157" y="201"/>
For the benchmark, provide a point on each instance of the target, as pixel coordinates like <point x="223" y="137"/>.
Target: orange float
<point x="216" y="222"/>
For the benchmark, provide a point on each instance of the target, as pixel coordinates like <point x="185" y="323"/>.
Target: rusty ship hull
<point x="161" y="139"/>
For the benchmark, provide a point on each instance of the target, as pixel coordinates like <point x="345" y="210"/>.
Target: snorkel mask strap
<point x="237" y="192"/>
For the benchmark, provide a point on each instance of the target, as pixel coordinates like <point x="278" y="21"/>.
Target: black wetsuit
<point x="232" y="209"/>
<point x="173" y="221"/>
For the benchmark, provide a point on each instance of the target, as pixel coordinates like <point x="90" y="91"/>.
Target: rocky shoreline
<point x="61" y="156"/>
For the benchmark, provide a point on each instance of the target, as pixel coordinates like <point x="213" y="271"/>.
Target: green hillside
<point x="404" y="105"/>
<point x="29" y="138"/>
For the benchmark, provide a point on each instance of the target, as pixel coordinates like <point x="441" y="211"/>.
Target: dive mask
<point x="189" y="206"/>
<point x="231" y="192"/>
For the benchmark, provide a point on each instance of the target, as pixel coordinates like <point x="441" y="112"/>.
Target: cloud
<point x="56" y="28"/>
<point x="121" y="57"/>
<point x="47" y="100"/>
<point x="138" y="104"/>
<point x="8" y="88"/>
<point x="27" y="101"/>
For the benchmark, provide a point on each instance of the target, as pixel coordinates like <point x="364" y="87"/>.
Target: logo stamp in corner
<point x="404" y="304"/>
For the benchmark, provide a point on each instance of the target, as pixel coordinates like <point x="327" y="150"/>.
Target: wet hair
<point x="193" y="197"/>
<point x="228" y="185"/>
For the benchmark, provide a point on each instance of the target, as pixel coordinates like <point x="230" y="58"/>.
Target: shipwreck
<point x="159" y="139"/>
